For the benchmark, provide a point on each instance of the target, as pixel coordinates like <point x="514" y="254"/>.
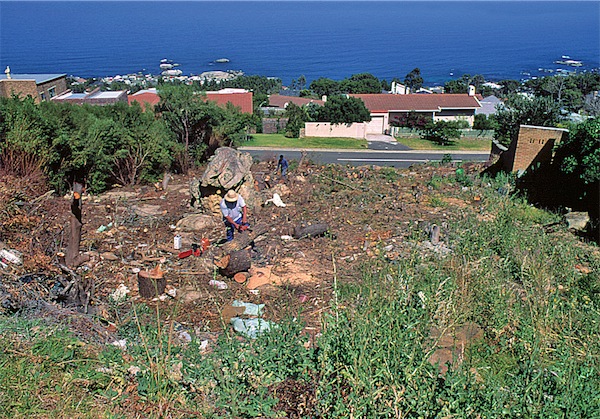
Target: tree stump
<point x="312" y="230"/>
<point x="151" y="283"/>
<point x="231" y="264"/>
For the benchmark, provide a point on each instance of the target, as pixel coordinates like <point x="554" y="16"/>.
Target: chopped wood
<point x="239" y="261"/>
<point x="313" y="230"/>
<point x="151" y="283"/>
<point x="244" y="238"/>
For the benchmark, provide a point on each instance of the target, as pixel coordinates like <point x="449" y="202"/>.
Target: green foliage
<point x="324" y="87"/>
<point x="98" y="145"/>
<point x="568" y="91"/>
<point x="361" y="83"/>
<point x="414" y="80"/>
<point x="518" y="110"/>
<point x="483" y="123"/>
<point x="441" y="132"/>
<point x="297" y="116"/>
<point x="579" y="154"/>
<point x="411" y="119"/>
<point x="344" y="110"/>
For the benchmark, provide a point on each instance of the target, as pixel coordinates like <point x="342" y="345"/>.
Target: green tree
<point x="190" y="118"/>
<point x="324" y="87"/>
<point x="414" y="80"/>
<point x="520" y="110"/>
<point x="579" y="154"/>
<point x="483" y="123"/>
<point x="297" y="116"/>
<point x="344" y="110"/>
<point x="441" y="132"/>
<point x="361" y="83"/>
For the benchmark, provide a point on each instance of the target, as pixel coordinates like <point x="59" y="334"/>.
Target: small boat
<point x="222" y="60"/>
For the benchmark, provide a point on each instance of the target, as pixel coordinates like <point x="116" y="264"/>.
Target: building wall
<point x="39" y="92"/>
<point x="21" y="88"/>
<point x="533" y="145"/>
<point x="273" y="125"/>
<point x="455" y="115"/>
<point x="326" y="129"/>
<point x="59" y="85"/>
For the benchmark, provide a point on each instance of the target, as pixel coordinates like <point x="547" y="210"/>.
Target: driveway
<point x="384" y="142"/>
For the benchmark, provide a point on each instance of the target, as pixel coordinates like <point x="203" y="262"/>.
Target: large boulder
<point x="227" y="169"/>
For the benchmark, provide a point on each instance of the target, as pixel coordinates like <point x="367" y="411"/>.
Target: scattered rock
<point x="577" y="220"/>
<point x="197" y="222"/>
<point x="149" y="210"/>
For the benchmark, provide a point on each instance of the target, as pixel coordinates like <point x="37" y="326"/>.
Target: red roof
<point x="381" y="103"/>
<point x="145" y="99"/>
<point x="280" y="101"/>
<point x="239" y="100"/>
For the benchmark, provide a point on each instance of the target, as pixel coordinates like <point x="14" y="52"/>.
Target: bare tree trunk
<point x="238" y="261"/>
<point x="72" y="258"/>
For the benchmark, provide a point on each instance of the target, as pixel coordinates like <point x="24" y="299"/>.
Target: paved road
<point x="393" y="158"/>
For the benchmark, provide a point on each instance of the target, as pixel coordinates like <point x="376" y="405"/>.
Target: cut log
<point x="313" y="230"/>
<point x="240" y="277"/>
<point x="151" y="283"/>
<point x="245" y="238"/>
<point x="239" y="261"/>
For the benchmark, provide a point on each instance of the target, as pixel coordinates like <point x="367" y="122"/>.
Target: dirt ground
<point x="369" y="211"/>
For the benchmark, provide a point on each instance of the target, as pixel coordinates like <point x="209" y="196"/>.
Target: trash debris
<point x="12" y="256"/>
<point x="133" y="370"/>
<point x="103" y="228"/>
<point x="286" y="237"/>
<point x="250" y="308"/>
<point x="276" y="200"/>
<point x="218" y="284"/>
<point x="177" y="242"/>
<point x="251" y="328"/>
<point x="122" y="344"/>
<point x="120" y="293"/>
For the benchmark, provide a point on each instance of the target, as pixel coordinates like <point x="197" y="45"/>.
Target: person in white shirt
<point x="235" y="213"/>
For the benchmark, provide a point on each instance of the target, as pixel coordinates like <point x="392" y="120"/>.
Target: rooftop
<point x="417" y="102"/>
<point x="39" y="78"/>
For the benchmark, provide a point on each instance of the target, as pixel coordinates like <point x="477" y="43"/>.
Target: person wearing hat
<point x="235" y="216"/>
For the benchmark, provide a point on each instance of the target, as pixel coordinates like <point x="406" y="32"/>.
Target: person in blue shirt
<point x="283" y="164"/>
<point x="235" y="215"/>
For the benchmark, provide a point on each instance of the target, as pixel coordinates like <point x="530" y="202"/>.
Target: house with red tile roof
<point x="240" y="98"/>
<point x="146" y="98"/>
<point x="385" y="108"/>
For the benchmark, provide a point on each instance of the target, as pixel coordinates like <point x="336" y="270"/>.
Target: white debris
<point x="120" y="343"/>
<point x="276" y="200"/>
<point x="120" y="293"/>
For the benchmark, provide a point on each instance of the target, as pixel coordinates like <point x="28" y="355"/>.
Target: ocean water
<point x="499" y="40"/>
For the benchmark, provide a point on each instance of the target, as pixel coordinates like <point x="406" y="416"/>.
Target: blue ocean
<point x="333" y="39"/>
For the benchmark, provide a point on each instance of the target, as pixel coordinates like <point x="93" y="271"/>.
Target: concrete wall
<point x="326" y="129"/>
<point x="533" y="145"/>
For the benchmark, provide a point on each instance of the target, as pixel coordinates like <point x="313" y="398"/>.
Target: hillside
<point x="374" y="318"/>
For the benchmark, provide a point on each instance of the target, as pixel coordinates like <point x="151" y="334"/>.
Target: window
<point x="52" y="91"/>
<point x="43" y="96"/>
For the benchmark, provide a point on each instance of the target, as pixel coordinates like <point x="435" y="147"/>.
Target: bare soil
<point x="370" y="212"/>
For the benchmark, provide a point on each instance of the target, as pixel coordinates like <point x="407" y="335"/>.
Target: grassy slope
<point x="279" y="140"/>
<point x="533" y="291"/>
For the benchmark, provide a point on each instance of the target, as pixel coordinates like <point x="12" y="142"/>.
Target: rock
<point x="149" y="210"/>
<point x="197" y="222"/>
<point x="109" y="256"/>
<point x="281" y="189"/>
<point x="577" y="220"/>
<point x="227" y="169"/>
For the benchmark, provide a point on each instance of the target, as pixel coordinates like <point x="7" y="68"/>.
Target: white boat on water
<point x="569" y="62"/>
<point x="222" y="60"/>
